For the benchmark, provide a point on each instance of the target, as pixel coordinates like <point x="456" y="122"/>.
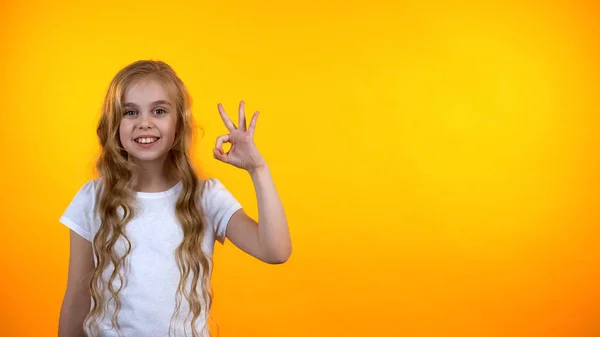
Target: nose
<point x="145" y="122"/>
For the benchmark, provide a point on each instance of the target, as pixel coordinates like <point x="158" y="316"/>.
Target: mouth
<point x="146" y="140"/>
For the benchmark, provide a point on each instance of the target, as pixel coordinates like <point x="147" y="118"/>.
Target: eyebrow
<point x="161" y="101"/>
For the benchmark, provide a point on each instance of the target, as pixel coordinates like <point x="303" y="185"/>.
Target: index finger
<point x="228" y="123"/>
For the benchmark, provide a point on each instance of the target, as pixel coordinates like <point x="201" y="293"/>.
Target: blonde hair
<point x="115" y="206"/>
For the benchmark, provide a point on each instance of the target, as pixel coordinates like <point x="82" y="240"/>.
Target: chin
<point x="148" y="157"/>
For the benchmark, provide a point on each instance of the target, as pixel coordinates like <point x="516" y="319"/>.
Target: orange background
<point x="438" y="162"/>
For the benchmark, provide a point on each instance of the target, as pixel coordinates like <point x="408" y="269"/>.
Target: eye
<point x="160" y="111"/>
<point x="129" y="113"/>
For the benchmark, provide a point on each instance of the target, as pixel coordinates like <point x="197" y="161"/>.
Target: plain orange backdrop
<point x="438" y="161"/>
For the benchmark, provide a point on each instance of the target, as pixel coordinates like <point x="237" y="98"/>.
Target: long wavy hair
<point x="116" y="207"/>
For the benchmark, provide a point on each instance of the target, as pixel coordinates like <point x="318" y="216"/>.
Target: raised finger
<point x="242" y="116"/>
<point x="252" y="126"/>
<point x="228" y="123"/>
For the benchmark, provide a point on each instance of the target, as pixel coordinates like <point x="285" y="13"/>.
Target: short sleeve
<point x="218" y="205"/>
<point x="79" y="214"/>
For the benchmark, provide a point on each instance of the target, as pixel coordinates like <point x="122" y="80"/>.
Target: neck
<point x="154" y="177"/>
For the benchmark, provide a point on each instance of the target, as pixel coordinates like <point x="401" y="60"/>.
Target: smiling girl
<point x="142" y="234"/>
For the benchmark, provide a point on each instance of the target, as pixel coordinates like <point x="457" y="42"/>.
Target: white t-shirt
<point x="152" y="275"/>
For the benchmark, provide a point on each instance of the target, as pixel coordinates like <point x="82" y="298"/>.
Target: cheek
<point x="124" y="131"/>
<point x="171" y="128"/>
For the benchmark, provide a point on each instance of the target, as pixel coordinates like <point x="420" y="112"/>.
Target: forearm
<point x="73" y="312"/>
<point x="273" y="228"/>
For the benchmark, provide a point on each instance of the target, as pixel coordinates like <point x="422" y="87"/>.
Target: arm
<point x="76" y="302"/>
<point x="269" y="239"/>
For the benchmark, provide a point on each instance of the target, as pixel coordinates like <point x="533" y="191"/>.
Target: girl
<point x="142" y="235"/>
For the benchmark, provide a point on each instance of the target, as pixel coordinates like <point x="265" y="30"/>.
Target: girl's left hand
<point x="243" y="152"/>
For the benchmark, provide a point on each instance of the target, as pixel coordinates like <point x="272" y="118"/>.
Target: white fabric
<point x="152" y="275"/>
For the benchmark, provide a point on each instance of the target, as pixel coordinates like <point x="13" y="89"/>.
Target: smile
<point x="146" y="140"/>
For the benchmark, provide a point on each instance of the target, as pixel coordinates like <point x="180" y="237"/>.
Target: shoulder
<point x="209" y="189"/>
<point x="92" y="185"/>
<point x="218" y="205"/>
<point x="210" y="184"/>
<point x="214" y="194"/>
<point x="90" y="188"/>
<point x="86" y="196"/>
<point x="78" y="215"/>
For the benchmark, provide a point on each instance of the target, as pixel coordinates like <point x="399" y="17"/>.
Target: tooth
<point x="146" y="140"/>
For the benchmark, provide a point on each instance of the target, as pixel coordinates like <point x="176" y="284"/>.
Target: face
<point x="149" y="121"/>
